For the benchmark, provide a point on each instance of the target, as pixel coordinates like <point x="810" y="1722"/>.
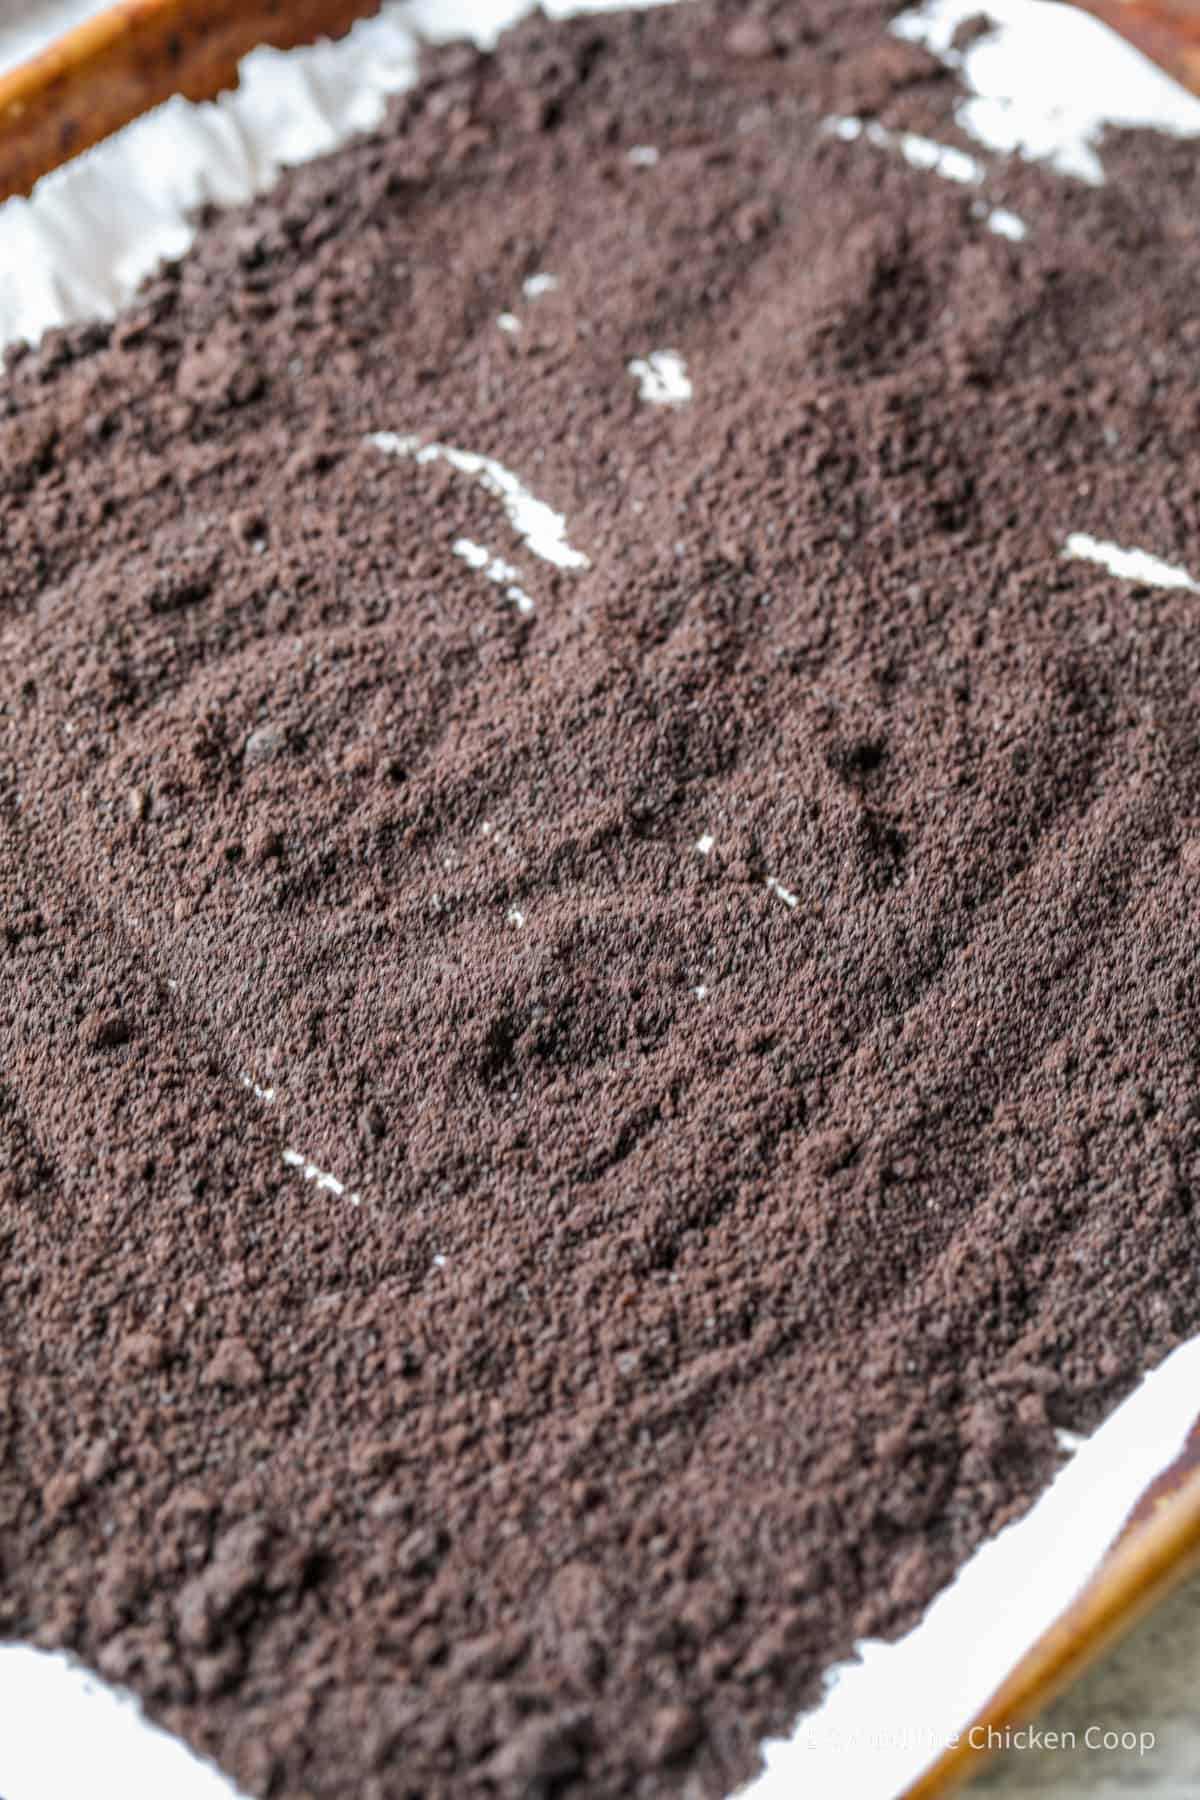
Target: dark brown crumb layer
<point x="680" y="1337"/>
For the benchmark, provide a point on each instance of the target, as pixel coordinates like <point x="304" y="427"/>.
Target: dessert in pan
<point x="599" y="883"/>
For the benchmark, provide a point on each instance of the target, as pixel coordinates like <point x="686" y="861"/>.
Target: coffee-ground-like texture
<point x="580" y="1100"/>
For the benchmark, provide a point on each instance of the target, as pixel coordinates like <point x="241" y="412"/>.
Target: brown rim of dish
<point x="131" y="57"/>
<point x="1167" y="31"/>
<point x="1156" y="1548"/>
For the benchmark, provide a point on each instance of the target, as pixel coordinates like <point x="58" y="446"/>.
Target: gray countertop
<point x="1147" y="1688"/>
